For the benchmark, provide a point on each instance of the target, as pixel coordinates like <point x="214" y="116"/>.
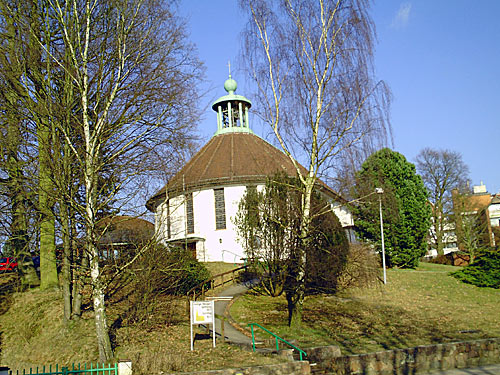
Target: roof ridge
<point x="189" y="164"/>
<point x="213" y="155"/>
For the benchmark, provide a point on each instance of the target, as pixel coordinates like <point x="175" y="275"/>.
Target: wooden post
<point x="222" y="329"/>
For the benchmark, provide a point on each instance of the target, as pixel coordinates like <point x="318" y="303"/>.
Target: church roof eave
<point x="233" y="156"/>
<point x="231" y="159"/>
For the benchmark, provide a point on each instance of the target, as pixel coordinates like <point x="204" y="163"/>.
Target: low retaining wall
<point x="288" y="368"/>
<point x="420" y="359"/>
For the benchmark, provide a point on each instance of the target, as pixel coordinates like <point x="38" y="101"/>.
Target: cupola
<point x="232" y="110"/>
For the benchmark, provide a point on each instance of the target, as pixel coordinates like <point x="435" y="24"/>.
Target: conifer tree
<point x="406" y="211"/>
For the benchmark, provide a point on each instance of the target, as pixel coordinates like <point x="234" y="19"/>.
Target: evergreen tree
<point x="406" y="212"/>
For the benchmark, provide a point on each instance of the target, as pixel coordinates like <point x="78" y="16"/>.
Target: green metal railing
<point x="110" y="369"/>
<point x="278" y="339"/>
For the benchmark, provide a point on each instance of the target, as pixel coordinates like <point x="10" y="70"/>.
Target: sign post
<point x="202" y="312"/>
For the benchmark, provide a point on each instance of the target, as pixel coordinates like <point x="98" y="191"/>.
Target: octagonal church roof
<point x="233" y="156"/>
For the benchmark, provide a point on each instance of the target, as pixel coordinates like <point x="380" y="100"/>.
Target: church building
<point x="197" y="206"/>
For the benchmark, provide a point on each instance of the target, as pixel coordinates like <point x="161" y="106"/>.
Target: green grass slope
<point x="416" y="307"/>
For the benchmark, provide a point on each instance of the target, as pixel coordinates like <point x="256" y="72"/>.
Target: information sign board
<point x="202" y="312"/>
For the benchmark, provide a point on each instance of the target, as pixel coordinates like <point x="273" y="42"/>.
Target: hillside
<point x="416" y="307"/>
<point x="33" y="333"/>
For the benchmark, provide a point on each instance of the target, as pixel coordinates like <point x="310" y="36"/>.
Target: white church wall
<point x="204" y="223"/>
<point x="344" y="215"/>
<point x="220" y="244"/>
<point x="233" y="251"/>
<point x="160" y="221"/>
<point x="176" y="209"/>
<point x="214" y="245"/>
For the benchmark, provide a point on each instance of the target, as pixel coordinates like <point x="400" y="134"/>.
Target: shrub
<point x="484" y="272"/>
<point x="327" y="254"/>
<point x="442" y="259"/>
<point x="161" y="272"/>
<point x="362" y="268"/>
<point x="269" y="228"/>
<point x="186" y="272"/>
<point x="456" y="258"/>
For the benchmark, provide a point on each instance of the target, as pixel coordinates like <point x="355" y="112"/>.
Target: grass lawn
<point x="34" y="334"/>
<point x="416" y="307"/>
<point x="217" y="268"/>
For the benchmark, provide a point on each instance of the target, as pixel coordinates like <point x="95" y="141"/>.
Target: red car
<point x="8" y="264"/>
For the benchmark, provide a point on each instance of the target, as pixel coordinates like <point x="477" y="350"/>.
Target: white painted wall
<point x="345" y="217"/>
<point x="494" y="213"/>
<point x="218" y="245"/>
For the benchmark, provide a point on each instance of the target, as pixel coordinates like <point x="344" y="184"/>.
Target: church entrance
<point x="191" y="247"/>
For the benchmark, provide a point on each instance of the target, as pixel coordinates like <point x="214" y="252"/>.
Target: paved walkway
<point x="230" y="333"/>
<point x="483" y="370"/>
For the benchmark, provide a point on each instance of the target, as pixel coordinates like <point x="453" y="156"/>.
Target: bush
<point x="161" y="272"/>
<point x="442" y="259"/>
<point x="269" y="228"/>
<point x="456" y="258"/>
<point x="362" y="269"/>
<point x="186" y="271"/>
<point x="484" y="272"/>
<point x="172" y="271"/>
<point x="327" y="253"/>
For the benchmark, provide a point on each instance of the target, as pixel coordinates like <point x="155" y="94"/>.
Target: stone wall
<point x="420" y="359"/>
<point x="288" y="368"/>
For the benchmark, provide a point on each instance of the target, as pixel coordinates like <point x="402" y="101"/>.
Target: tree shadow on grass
<point x="359" y="327"/>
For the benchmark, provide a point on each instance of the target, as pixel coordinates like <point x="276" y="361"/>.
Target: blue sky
<point x="441" y="60"/>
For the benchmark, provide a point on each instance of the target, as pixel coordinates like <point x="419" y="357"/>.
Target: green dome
<point x="230" y="85"/>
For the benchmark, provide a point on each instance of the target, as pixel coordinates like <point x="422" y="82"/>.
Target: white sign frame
<point x="202" y="312"/>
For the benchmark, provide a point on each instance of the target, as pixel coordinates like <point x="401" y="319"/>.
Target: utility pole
<point x="380" y="191"/>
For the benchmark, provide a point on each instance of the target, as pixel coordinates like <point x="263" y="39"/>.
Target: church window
<point x="189" y="213"/>
<point x="220" y="209"/>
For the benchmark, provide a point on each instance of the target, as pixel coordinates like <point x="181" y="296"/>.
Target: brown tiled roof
<point x="230" y="158"/>
<point x="478" y="202"/>
<point x="126" y="222"/>
<point x="125" y="229"/>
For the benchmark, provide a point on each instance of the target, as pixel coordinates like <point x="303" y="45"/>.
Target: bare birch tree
<point x="132" y="75"/>
<point x="312" y="64"/>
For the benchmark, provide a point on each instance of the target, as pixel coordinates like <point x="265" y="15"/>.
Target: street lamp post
<point x="380" y="191"/>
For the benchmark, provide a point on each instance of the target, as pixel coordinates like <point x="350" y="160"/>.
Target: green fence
<point x="97" y="369"/>
<point x="278" y="339"/>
